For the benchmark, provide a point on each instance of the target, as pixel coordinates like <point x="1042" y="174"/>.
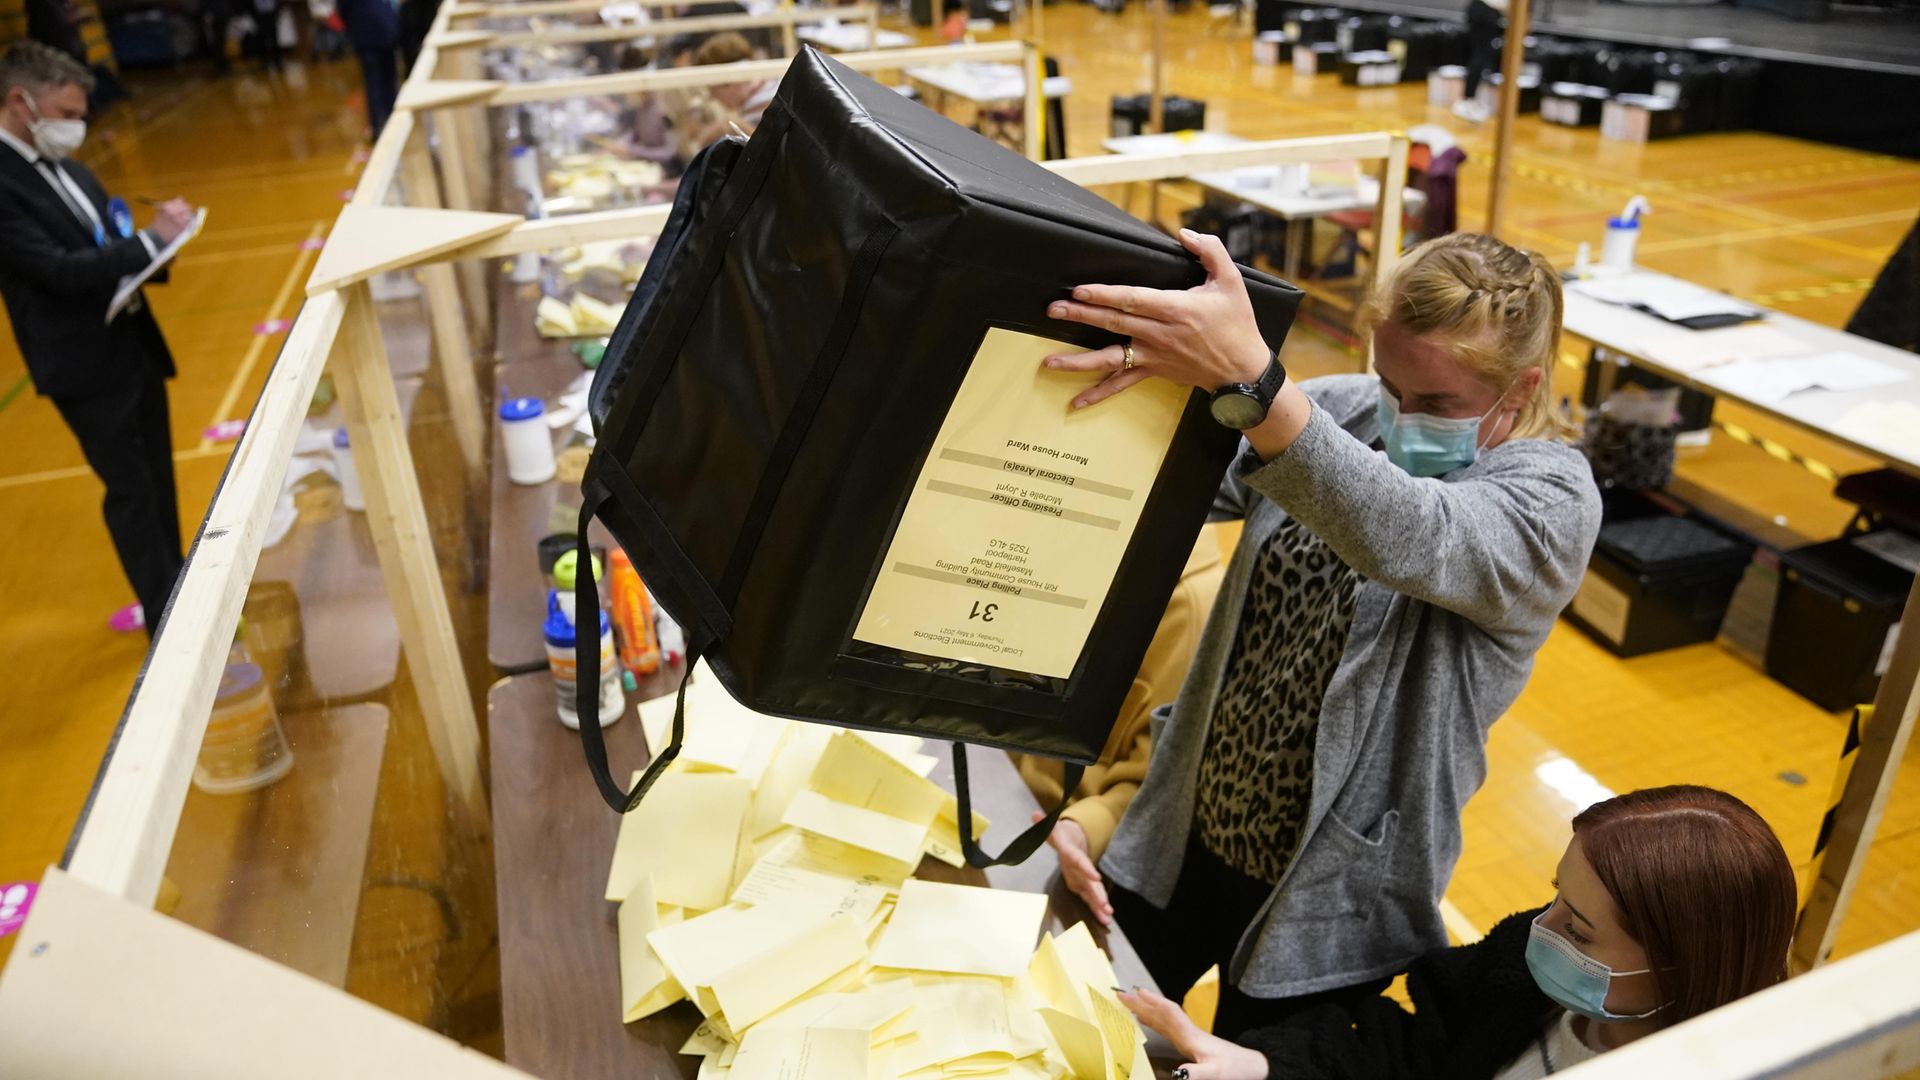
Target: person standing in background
<point x="416" y="19"/>
<point x="1486" y="21"/>
<point x="374" y="28"/>
<point x="62" y="255"/>
<point x="266" y="18"/>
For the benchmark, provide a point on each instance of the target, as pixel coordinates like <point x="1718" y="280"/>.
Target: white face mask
<point x="55" y="138"/>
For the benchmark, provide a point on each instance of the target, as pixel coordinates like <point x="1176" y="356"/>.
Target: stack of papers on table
<point x="767" y="879"/>
<point x="1669" y="298"/>
<point x="1770" y="382"/>
<point x="582" y="317"/>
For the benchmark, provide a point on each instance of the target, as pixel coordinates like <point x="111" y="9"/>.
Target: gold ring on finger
<point x="1126" y="357"/>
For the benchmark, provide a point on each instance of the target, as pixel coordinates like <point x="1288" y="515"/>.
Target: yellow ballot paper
<point x="1081" y="1042"/>
<point x="813" y="952"/>
<point x="957" y="1019"/>
<point x="801" y="1054"/>
<point x="1018" y="520"/>
<point x="684" y="834"/>
<point x="776" y="882"/>
<point x="645" y="986"/>
<point x="785" y="776"/>
<point x="854" y="771"/>
<point x="962" y="930"/>
<point x="880" y="833"/>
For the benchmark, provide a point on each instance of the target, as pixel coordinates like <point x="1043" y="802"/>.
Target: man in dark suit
<point x="63" y="252"/>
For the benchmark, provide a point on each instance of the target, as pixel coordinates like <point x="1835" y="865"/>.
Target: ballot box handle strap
<point x="1027" y="842"/>
<point x="806" y="405"/>
<point x="586" y="670"/>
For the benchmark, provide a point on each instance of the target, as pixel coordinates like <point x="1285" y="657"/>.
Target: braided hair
<point x="1496" y="307"/>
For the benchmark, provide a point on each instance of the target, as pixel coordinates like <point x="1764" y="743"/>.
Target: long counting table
<point x="1629" y="332"/>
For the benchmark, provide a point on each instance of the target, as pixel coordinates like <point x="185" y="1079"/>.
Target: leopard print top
<point x="1256" y="776"/>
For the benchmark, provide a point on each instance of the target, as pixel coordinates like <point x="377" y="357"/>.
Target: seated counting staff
<point x="1669" y="902"/>
<point x="1108" y="786"/>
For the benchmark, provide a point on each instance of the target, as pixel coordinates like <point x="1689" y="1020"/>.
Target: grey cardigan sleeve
<point x="1503" y="543"/>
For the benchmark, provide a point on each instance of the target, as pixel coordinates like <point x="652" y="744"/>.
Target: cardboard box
<point x="1639" y="118"/>
<point x="1446" y="85"/>
<point x="1572" y="104"/>
<point x="1377" y="68"/>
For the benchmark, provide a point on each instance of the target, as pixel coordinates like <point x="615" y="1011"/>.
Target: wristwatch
<point x="1244" y="405"/>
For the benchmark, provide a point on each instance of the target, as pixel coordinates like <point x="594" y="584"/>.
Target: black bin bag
<point x="827" y="441"/>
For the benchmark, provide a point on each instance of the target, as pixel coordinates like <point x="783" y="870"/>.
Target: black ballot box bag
<point x="827" y="440"/>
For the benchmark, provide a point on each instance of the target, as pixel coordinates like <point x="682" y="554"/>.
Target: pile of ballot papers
<point x="583" y="316"/>
<point x="768" y="879"/>
<point x="597" y="180"/>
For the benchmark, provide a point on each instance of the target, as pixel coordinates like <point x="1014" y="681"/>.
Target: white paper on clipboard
<point x="130" y="285"/>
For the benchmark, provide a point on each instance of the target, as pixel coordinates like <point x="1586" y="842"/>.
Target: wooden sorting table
<point x="559" y="950"/>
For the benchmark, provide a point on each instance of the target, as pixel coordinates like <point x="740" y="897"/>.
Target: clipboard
<point x="131" y="284"/>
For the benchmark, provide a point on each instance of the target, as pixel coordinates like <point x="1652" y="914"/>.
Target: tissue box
<point x="827" y="440"/>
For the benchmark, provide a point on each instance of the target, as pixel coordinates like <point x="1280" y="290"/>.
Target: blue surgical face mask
<point x="1427" y="445"/>
<point x="1575" y="981"/>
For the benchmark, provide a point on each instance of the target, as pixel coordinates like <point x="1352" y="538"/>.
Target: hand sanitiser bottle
<point x="1623" y="233"/>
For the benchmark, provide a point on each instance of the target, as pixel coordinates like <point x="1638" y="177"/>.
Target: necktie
<point x="87" y="220"/>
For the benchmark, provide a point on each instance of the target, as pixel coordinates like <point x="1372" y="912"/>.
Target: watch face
<point x="1237" y="410"/>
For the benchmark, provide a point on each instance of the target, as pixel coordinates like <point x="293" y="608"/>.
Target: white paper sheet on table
<point x="1892" y="426"/>
<point x="1690" y="351"/>
<point x="1669" y="298"/>
<point x="1773" y="381"/>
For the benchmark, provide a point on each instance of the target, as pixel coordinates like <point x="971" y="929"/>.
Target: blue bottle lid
<point x="1623" y="223"/>
<point x="559" y="629"/>
<point x="521" y="408"/>
<point x="340" y="438"/>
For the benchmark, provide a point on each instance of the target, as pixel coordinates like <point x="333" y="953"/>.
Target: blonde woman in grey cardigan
<point x="1409" y="540"/>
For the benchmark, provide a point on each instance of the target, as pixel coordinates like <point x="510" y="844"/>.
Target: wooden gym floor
<point x="1800" y="226"/>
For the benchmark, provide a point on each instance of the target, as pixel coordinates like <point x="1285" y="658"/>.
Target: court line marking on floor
<point x="74" y="472"/>
<point x="295" y="276"/>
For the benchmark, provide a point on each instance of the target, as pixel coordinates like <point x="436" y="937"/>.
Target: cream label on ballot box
<point x="1018" y="521"/>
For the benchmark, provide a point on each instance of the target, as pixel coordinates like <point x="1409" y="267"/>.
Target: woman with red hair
<point x="1670" y="902"/>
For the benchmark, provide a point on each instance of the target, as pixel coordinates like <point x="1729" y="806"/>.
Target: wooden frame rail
<point x="784" y="19"/>
<point x="1859" y="1017"/>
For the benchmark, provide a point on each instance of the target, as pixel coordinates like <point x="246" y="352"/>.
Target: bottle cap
<point x="566" y="570"/>
<point x="558" y="629"/>
<point x="521" y="408"/>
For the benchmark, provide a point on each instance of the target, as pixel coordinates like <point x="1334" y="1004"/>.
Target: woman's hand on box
<point x="1205" y="336"/>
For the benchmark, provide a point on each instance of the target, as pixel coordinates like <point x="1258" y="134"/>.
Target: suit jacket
<point x="57" y="284"/>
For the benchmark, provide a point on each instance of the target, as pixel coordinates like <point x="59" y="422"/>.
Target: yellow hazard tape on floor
<point x="1862" y="716"/>
<point x="1777" y="450"/>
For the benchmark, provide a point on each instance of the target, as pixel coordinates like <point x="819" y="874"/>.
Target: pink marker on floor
<point x="226" y="431"/>
<point x="128" y="619"/>
<point x="313" y="244"/>
<point x="272" y="326"/>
